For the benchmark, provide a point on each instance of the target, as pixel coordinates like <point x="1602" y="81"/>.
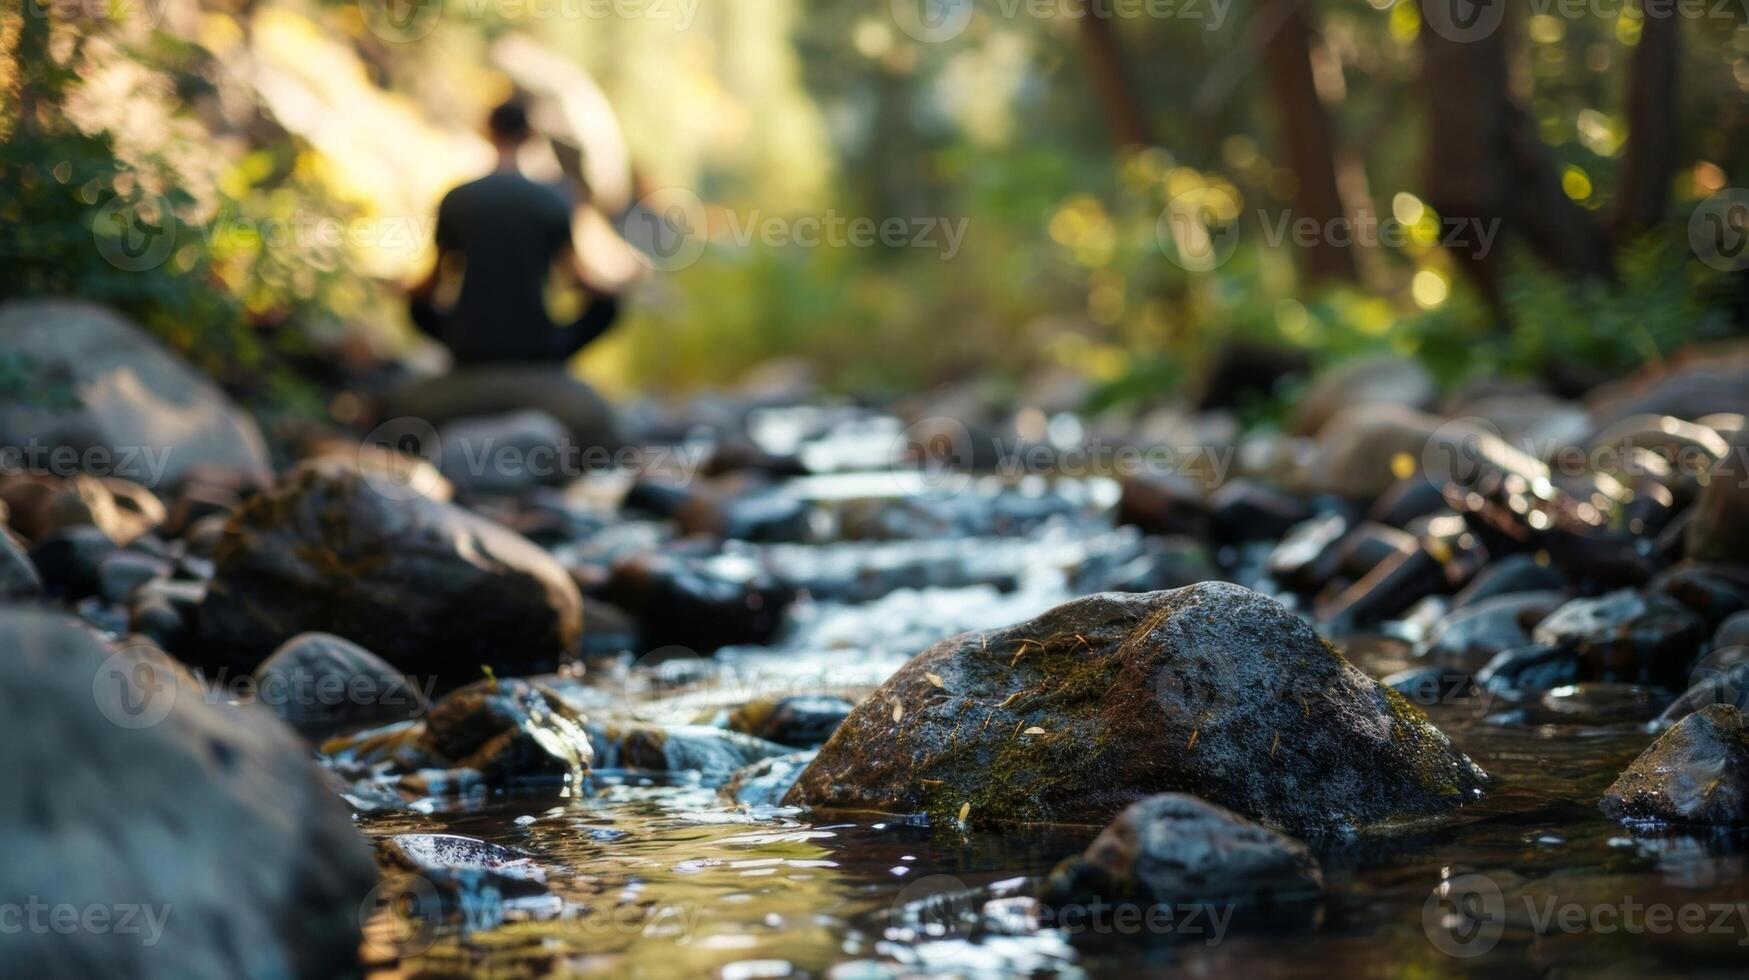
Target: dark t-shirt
<point x="508" y="229"/>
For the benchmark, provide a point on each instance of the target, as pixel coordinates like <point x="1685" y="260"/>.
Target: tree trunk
<point x="1650" y="162"/>
<point x="1306" y="138"/>
<point x="1111" y="80"/>
<point x="1487" y="173"/>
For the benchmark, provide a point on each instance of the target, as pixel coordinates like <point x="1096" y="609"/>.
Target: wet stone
<point x="800" y="720"/>
<point x="1174" y="849"/>
<point x="1471" y="636"/>
<point x="1102" y="701"/>
<point x="764" y="783"/>
<point x="321" y="684"/>
<point x="509" y="731"/>
<point x="710" y="753"/>
<point x="1714" y="591"/>
<point x="1695" y="773"/>
<point x="1627" y="636"/>
<point x="698" y="604"/>
<point x="120" y="573"/>
<point x="68" y="560"/>
<point x="1513" y="573"/>
<point x="1529" y="668"/>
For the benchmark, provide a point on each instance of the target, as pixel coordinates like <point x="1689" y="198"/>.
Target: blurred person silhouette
<point x="504" y="236"/>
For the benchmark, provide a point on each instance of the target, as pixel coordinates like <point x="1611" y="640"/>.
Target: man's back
<point x="508" y="230"/>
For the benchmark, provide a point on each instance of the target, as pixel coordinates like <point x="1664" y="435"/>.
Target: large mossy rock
<point x="93" y="381"/>
<point x="429" y="587"/>
<point x="205" y="825"/>
<point x="1212" y="690"/>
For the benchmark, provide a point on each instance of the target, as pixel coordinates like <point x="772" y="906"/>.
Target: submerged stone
<point x="1627" y="636"/>
<point x="1178" y="850"/>
<point x="801" y="720"/>
<point x="1073" y="716"/>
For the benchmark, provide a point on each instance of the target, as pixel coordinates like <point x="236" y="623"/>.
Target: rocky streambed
<point x="827" y="689"/>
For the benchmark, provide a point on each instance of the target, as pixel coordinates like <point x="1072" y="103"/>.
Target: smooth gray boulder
<point x="102" y="387"/>
<point x="200" y="836"/>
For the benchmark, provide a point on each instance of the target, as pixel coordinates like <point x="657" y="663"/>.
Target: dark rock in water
<point x="125" y="782"/>
<point x="111" y="389"/>
<point x="321" y="684"/>
<point x="509" y="454"/>
<point x="738" y="454"/>
<point x="1168" y="505"/>
<point x="1529" y="668"/>
<point x="505" y="389"/>
<point x="1695" y="773"/>
<point x="1714" y="591"/>
<point x="427" y="586"/>
<point x="1309" y="555"/>
<point x="1370" y="545"/>
<point x="1513" y="573"/>
<point x="1105" y="700"/>
<point x="710" y="752"/>
<point x="1244" y="511"/>
<point x="1391" y="588"/>
<point x="801" y="720"/>
<point x="119" y="573"/>
<point x="68" y="560"/>
<point x="156" y="617"/>
<point x="204" y="535"/>
<point x="1627" y="636"/>
<point x="1176" y="850"/>
<point x="509" y="731"/>
<point x="18" y="577"/>
<point x="1407" y="499"/>
<point x="1164" y="563"/>
<point x="765" y="514"/>
<point x="1425" y="687"/>
<point x="701" y="605"/>
<point x="765" y="782"/>
<point x="1469" y="637"/>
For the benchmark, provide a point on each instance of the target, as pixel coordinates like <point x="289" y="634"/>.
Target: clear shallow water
<point x="659" y="877"/>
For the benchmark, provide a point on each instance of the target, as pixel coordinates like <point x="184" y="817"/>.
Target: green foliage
<point x="1659" y="304"/>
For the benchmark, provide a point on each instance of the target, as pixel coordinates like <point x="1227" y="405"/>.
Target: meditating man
<point x="508" y="235"/>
